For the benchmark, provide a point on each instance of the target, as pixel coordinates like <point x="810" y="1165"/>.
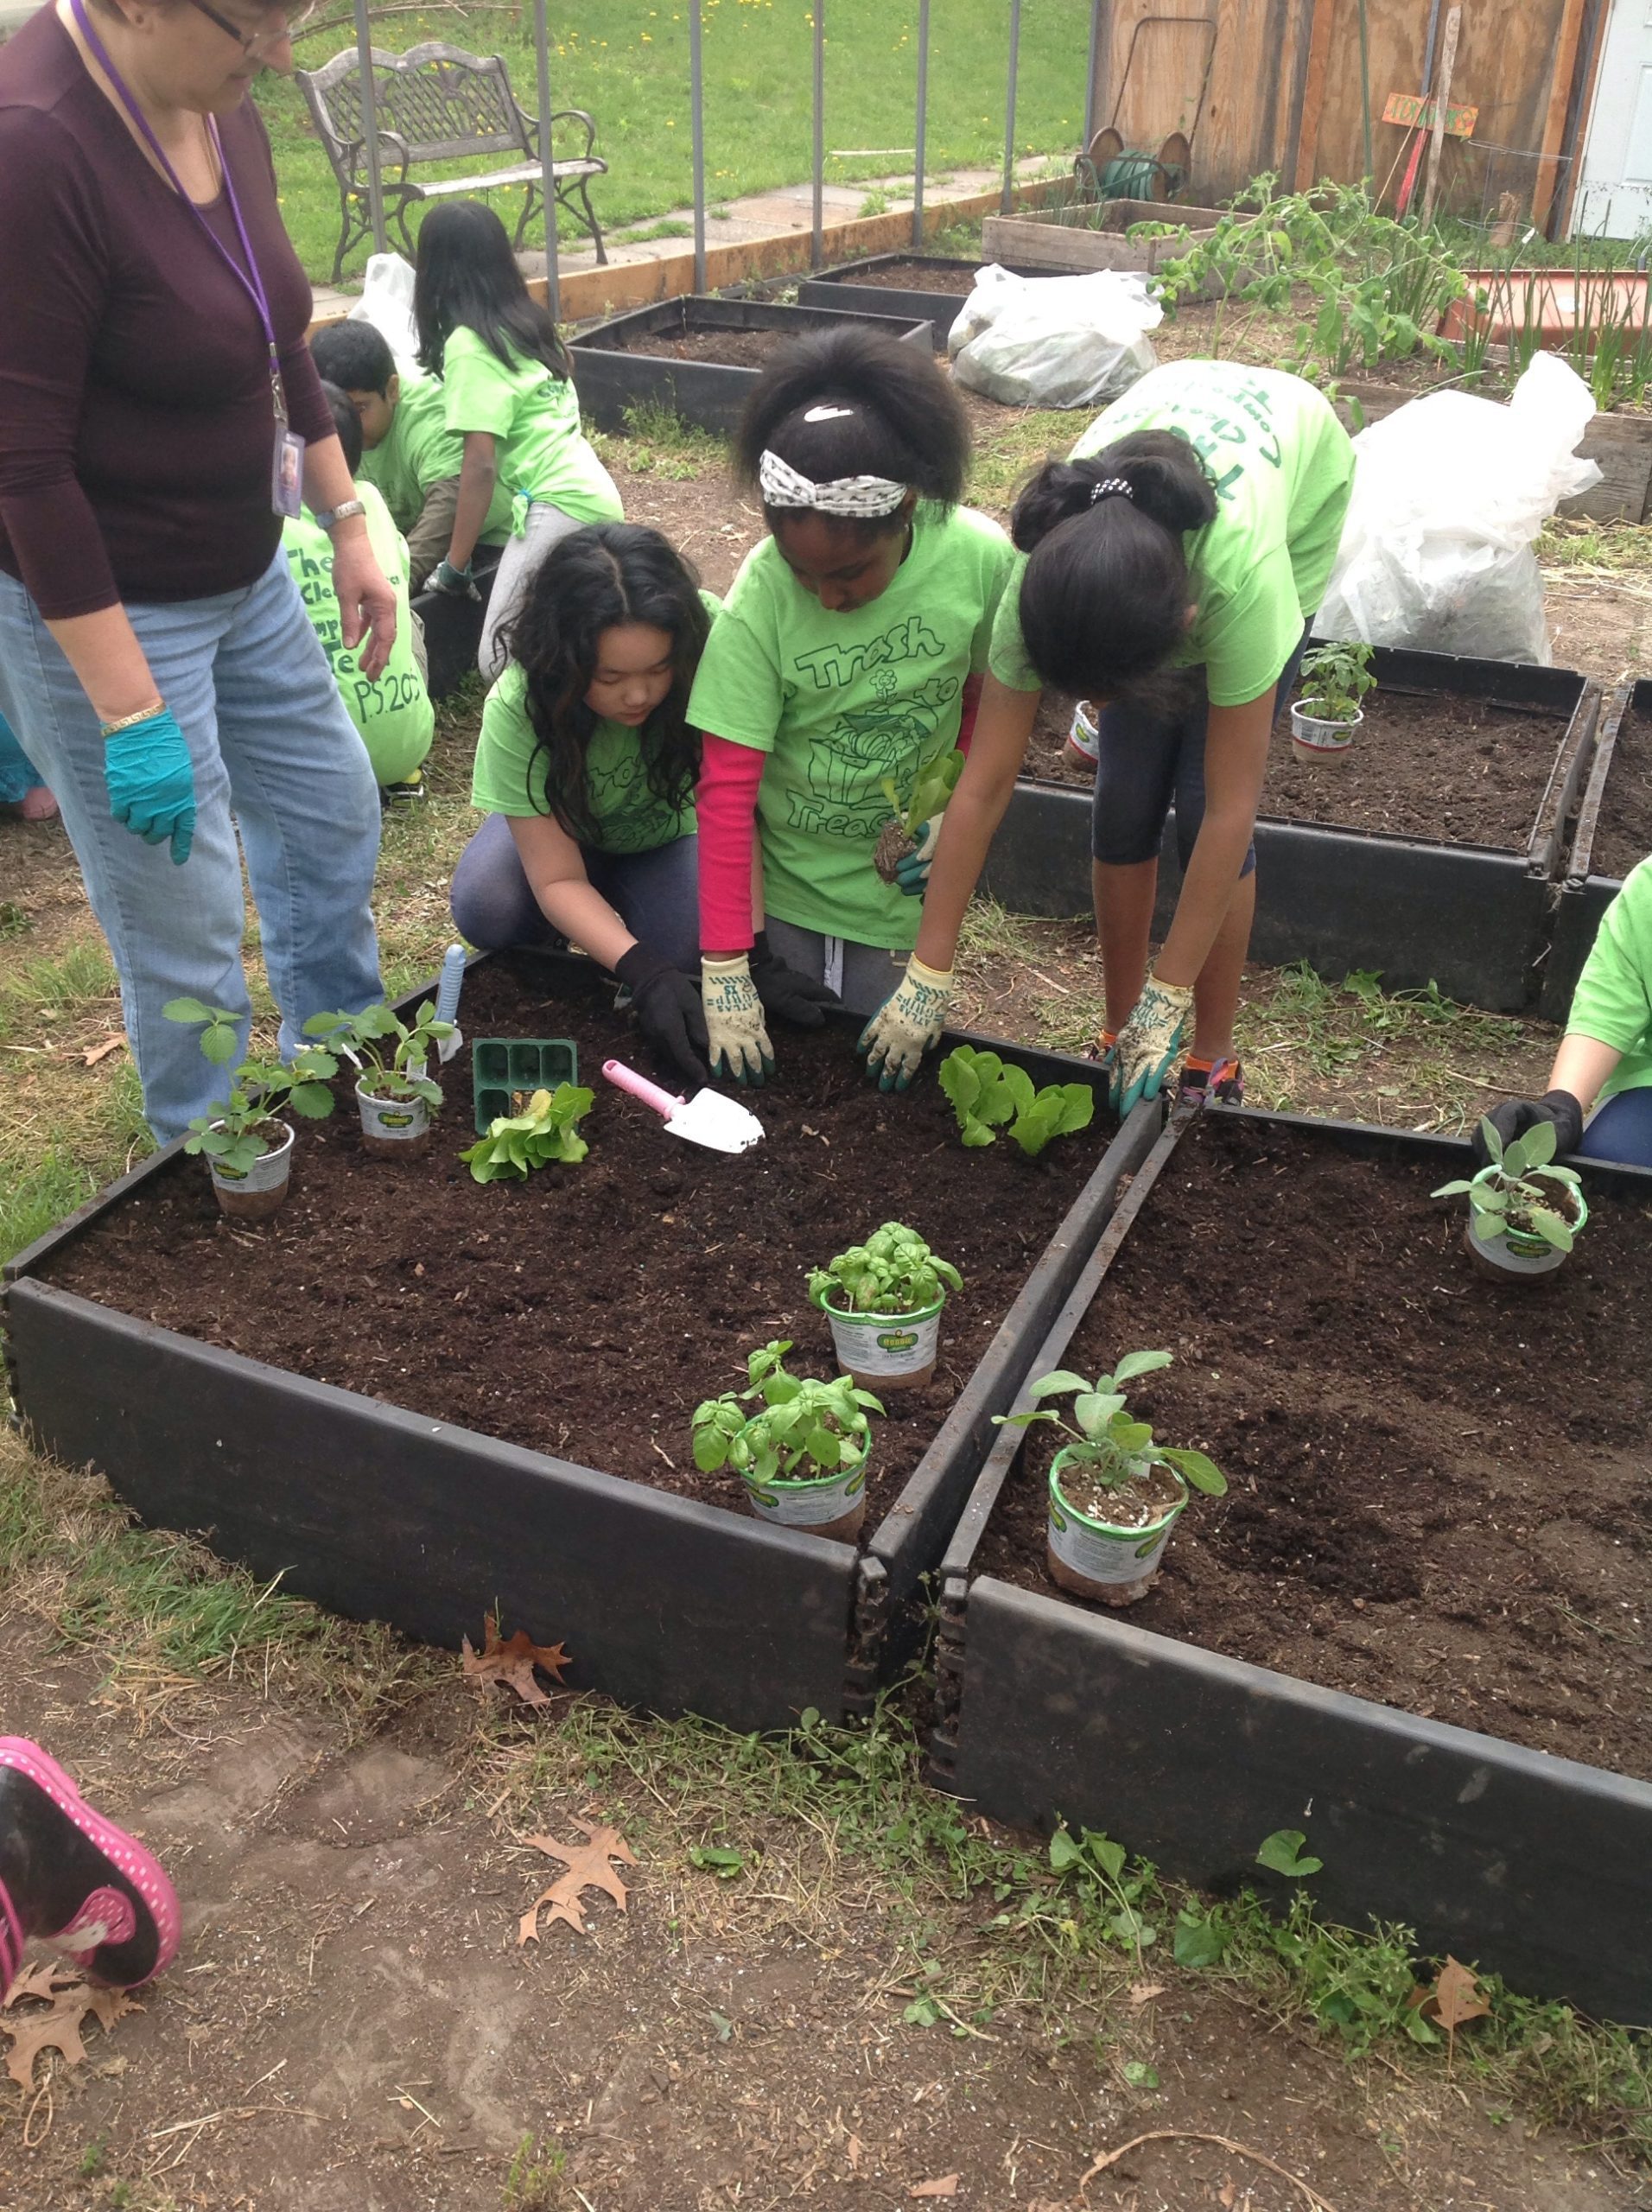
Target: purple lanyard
<point x="248" y="278"/>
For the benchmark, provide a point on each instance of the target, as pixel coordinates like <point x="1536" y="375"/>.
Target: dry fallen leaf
<point x="512" y="1664"/>
<point x="66" y="2000"/>
<point x="587" y="1868"/>
<point x="1142" y="1992"/>
<point x="93" y="1054"/>
<point x="855" y="2147"/>
<point x="1455" y="1998"/>
<point x="947" y="2185"/>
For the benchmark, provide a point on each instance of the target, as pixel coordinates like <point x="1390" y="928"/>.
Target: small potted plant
<point x="394" y="1095"/>
<point x="1115" y="1494"/>
<point x="1334" y="678"/>
<point x="801" y="1450"/>
<point x="1524" y="1212"/>
<point x="1084" y="745"/>
<point x="932" y="786"/>
<point x="883" y="1300"/>
<point x="245" y="1143"/>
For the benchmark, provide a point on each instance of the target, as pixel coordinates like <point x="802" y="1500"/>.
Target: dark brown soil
<point x="1623" y="829"/>
<point x="1451" y="770"/>
<point x="1439" y="1488"/>
<point x="586" y="1312"/>
<point x="915" y="276"/>
<point x="737" y="349"/>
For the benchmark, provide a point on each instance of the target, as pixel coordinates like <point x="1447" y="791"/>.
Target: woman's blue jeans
<point x="277" y="758"/>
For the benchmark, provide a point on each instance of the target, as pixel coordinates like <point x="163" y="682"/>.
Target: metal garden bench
<point x="436" y="103"/>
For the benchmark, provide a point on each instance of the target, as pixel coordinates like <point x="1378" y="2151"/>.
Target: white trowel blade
<point x="709" y="1118"/>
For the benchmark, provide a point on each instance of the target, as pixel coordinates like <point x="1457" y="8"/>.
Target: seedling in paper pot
<point x="801" y="1451"/>
<point x="394" y="1094"/>
<point x="245" y="1142"/>
<point x="1334" y="678"/>
<point x="1524" y="1212"/>
<point x="883" y="1300"/>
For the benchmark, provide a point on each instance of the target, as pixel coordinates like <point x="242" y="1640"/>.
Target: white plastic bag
<point x="1450" y="492"/>
<point x="1055" y="341"/>
<point x="387" y="302"/>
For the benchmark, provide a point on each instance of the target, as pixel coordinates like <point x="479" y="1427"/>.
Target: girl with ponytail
<point x="1174" y="563"/>
<point x="847" y="658"/>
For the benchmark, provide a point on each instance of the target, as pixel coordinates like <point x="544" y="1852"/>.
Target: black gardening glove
<point x="668" y="1010"/>
<point x="797" y="999"/>
<point x="1515" y="1115"/>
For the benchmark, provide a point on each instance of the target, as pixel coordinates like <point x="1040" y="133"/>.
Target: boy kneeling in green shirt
<point x="407" y="450"/>
<point x="393" y="712"/>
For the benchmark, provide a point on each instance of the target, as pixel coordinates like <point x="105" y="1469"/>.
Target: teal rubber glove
<point x="454" y="583"/>
<point x="737" y="1041"/>
<point x="152" y="782"/>
<point x="909" y="1021"/>
<point x="1148" y="1043"/>
<point x="912" y="873"/>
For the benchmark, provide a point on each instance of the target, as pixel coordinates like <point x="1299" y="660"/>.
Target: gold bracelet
<point x="130" y="722"/>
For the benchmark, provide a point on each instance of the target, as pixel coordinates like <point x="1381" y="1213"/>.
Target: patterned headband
<point x="860" y="497"/>
<point x="1106" y="487"/>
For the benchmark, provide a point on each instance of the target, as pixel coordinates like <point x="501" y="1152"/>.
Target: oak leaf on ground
<point x="512" y="1664"/>
<point x="942" y="2185"/>
<point x="66" y="2000"/>
<point x="587" y="1868"/>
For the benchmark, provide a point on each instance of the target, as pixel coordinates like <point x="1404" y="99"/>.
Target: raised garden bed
<point x="1087" y="234"/>
<point x="1614" y="834"/>
<point x="1438" y="1500"/>
<point x="419" y="1399"/>
<point x="452" y="627"/>
<point x="1505" y="751"/>
<point x="698" y="357"/>
<point x="919" y="285"/>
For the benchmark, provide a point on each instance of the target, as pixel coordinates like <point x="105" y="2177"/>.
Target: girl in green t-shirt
<point x="1174" y="563"/>
<point x="508" y="392"/>
<point x="846" y="658"/>
<point x="585" y="769"/>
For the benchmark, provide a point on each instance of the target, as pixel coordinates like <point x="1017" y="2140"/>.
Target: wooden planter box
<point x="1475" y="920"/>
<point x="380" y="1513"/>
<point x="1537" y="1867"/>
<point x="614" y="371"/>
<point x="1084" y="235"/>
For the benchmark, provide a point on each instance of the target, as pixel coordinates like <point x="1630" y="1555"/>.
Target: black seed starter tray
<point x="1475" y="920"/>
<point x="1536" y="1868"/>
<point x="378" y="1513"/>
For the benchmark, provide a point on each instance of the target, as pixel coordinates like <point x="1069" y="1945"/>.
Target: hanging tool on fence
<point x="1108" y="169"/>
<point x="1425" y="116"/>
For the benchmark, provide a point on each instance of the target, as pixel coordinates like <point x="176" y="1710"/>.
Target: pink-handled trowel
<point x="708" y="1118"/>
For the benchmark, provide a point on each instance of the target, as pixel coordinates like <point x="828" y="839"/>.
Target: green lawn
<point x="628" y="62"/>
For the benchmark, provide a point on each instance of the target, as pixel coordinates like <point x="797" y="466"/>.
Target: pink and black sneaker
<point x="1223" y="1080"/>
<point x="75" y="1880"/>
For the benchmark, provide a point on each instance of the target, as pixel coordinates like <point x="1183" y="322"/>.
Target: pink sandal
<point x="74" y="1879"/>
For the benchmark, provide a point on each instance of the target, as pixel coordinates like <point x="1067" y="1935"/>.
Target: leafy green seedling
<point x="1112" y="1450"/>
<point x="801" y="1431"/>
<point x="894" y="1271"/>
<point x="717" y="1858"/>
<point x="1334" y="678"/>
<point x="1514" y="1197"/>
<point x="517" y="1143"/>
<point x="930" y="788"/>
<point x="987" y="1091"/>
<point x="391" y="1055"/>
<point x="231" y="1133"/>
<point x="1283" y="1852"/>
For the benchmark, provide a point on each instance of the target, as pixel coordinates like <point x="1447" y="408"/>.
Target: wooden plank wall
<point x="1283" y="89"/>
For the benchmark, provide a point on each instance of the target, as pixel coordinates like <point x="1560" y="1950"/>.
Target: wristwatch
<point x="329" y="515"/>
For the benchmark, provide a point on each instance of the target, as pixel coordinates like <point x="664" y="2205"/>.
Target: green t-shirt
<point x="1613" y="1001"/>
<point x="419" y="451"/>
<point x="627" y="815"/>
<point x="1283" y="470"/>
<point x="839" y="701"/>
<point x="535" y="416"/>
<point x="394" y="715"/>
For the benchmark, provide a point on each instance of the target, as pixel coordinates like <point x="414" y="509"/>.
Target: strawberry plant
<point x="231" y="1133"/>
<point x="390" y="1054"/>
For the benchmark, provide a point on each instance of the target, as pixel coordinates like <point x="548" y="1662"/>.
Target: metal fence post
<point x="818" y="249"/>
<point x="697" y="124"/>
<point x="922" y="131"/>
<point x="1097" y="8"/>
<point x="547" y="177"/>
<point x="1005" y="198"/>
<point x="369" y="124"/>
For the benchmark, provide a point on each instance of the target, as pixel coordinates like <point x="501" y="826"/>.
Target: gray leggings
<point x="521" y="556"/>
<point x="1149" y="757"/>
<point x="656" y="894"/>
<point x="862" y="975"/>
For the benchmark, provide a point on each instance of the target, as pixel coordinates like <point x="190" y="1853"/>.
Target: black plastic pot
<point x="1537" y="1867"/>
<point x="1586" y="894"/>
<point x="452" y="627"/>
<point x="615" y="370"/>
<point x="382" y="1514"/>
<point x="846" y="288"/>
<point x="1475" y="920"/>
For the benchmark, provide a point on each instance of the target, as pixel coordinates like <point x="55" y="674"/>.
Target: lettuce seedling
<point x="932" y="787"/>
<point x="517" y="1143"/>
<point x="894" y="1271"/>
<point x="802" y="1430"/>
<point x="987" y="1091"/>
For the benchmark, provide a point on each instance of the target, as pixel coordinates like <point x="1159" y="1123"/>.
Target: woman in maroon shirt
<point x="158" y="406"/>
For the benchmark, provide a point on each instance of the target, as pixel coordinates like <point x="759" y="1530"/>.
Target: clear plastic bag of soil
<point x="1055" y="341"/>
<point x="1450" y="492"/>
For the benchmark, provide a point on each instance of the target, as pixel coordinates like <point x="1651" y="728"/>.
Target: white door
<point x="1614" y="197"/>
